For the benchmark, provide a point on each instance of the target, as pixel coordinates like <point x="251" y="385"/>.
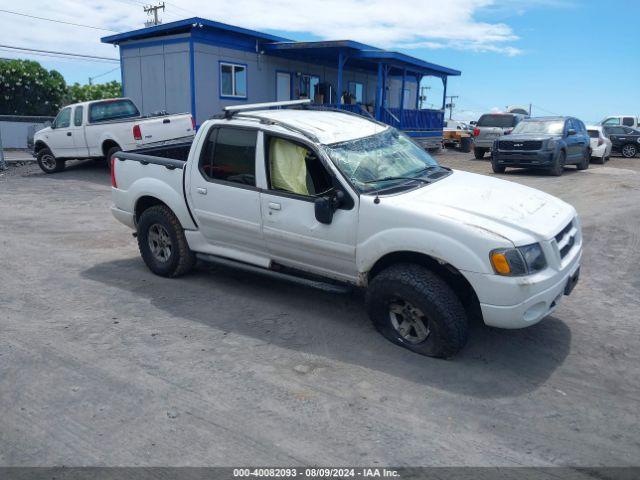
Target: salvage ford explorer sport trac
<point x="331" y="199"/>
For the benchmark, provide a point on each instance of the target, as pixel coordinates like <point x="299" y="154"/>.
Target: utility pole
<point x="152" y="10"/>
<point x="450" y="105"/>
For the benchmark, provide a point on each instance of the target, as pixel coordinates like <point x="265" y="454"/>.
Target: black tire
<point x="600" y="160"/>
<point x="180" y="258"/>
<point x="417" y="286"/>
<point x="110" y="153"/>
<point x="466" y="143"/>
<point x="558" y="164"/>
<point x="584" y="163"/>
<point x="497" y="168"/>
<point x="629" y="150"/>
<point x="48" y="163"/>
<point x="479" y="152"/>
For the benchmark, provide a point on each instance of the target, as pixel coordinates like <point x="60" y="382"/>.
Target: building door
<point x="283" y="86"/>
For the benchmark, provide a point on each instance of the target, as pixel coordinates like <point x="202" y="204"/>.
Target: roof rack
<point x="231" y="110"/>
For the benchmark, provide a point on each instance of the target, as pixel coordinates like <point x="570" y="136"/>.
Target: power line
<point x="545" y="110"/>
<point x="53" y="52"/>
<point x="55" y="21"/>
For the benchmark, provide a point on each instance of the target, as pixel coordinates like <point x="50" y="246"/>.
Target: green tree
<point x="26" y="88"/>
<point x="83" y="93"/>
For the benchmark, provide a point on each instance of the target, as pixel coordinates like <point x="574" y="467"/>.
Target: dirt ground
<point x="103" y="363"/>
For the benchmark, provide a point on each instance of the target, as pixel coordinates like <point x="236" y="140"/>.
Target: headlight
<point x="518" y="261"/>
<point x="551" y="144"/>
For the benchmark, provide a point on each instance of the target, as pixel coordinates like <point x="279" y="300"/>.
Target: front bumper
<point x="536" y="158"/>
<point x="535" y="308"/>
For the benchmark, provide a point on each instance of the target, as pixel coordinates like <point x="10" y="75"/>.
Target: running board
<point x="317" y="284"/>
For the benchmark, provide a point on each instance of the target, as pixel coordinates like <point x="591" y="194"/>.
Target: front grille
<point x="524" y="145"/>
<point x="566" y="238"/>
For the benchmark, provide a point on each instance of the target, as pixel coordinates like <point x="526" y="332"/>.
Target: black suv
<point x="625" y="140"/>
<point x="547" y="143"/>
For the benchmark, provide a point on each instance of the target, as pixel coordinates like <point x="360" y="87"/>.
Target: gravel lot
<point x="103" y="363"/>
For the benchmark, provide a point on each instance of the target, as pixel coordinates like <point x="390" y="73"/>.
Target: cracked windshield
<point x="382" y="160"/>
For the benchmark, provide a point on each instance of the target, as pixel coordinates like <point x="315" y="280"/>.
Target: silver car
<point x="491" y="126"/>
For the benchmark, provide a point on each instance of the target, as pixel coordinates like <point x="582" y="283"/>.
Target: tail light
<point x="476" y="132"/>
<point x="113" y="161"/>
<point x="507" y="132"/>
<point x="193" y="123"/>
<point x="600" y="141"/>
<point x="137" y="133"/>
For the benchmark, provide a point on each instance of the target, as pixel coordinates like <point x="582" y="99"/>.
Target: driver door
<point x="60" y="137"/>
<point x="295" y="177"/>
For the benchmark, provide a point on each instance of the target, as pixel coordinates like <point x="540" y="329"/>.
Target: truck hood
<point x="506" y="209"/>
<point x="42" y="132"/>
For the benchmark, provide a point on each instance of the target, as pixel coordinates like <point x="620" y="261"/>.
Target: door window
<point x="77" y="116"/>
<point x="230" y="155"/>
<point x="63" y="120"/>
<point x="294" y="168"/>
<point x="628" y="121"/>
<point x="615" y="131"/>
<point x="611" y="121"/>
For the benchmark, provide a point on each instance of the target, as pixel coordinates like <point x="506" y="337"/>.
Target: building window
<point x="309" y="86"/>
<point x="233" y="80"/>
<point x="356" y="91"/>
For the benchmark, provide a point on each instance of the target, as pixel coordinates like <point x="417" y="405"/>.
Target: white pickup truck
<point x="332" y="197"/>
<point x="100" y="128"/>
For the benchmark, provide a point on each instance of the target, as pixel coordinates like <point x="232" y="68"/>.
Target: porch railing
<point x="413" y="119"/>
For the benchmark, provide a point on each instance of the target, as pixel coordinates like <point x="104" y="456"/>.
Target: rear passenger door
<point x="77" y="132"/>
<point x="224" y="198"/>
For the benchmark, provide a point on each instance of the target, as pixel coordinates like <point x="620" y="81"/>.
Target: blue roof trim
<point x="186" y="25"/>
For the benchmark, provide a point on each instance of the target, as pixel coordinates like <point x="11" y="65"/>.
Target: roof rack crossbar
<point x="231" y="110"/>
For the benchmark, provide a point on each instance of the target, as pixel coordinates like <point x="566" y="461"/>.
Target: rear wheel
<point x="558" y="164"/>
<point x="465" y="144"/>
<point x="48" y="163"/>
<point x="584" y="163"/>
<point x="479" y="152"/>
<point x="110" y="153"/>
<point x="629" y="150"/>
<point x="416" y="309"/>
<point x="162" y="243"/>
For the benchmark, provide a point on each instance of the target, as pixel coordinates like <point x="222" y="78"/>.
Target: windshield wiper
<point x="397" y="178"/>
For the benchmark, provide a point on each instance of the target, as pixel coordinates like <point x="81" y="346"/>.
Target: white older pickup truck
<point x="97" y="129"/>
<point x="332" y="198"/>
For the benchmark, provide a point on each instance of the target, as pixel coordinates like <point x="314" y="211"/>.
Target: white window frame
<point x="233" y="79"/>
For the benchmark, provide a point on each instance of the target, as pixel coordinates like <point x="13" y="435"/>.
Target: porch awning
<point x="359" y="55"/>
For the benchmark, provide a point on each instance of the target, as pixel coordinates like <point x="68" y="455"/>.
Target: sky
<point x="569" y="57"/>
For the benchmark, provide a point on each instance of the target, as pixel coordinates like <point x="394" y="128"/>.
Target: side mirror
<point x="571" y="131"/>
<point x="326" y="206"/>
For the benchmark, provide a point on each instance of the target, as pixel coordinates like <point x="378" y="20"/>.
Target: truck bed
<point x="154" y="171"/>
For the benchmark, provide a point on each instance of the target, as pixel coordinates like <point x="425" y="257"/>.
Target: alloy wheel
<point x="160" y="242"/>
<point x="409" y="321"/>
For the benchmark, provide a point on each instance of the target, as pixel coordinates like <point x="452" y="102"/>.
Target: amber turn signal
<point x="500" y="263"/>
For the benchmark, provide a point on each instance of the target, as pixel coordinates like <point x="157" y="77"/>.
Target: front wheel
<point x="558" y="164"/>
<point x="48" y="163"/>
<point x="162" y="243"/>
<point x="629" y="150"/>
<point x="495" y="167"/>
<point x="416" y="309"/>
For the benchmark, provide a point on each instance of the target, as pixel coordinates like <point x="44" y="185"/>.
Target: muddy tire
<point x="414" y="308"/>
<point x="48" y="163"/>
<point x="162" y="243"/>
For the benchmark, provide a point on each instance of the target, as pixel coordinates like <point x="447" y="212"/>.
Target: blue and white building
<point x="200" y="66"/>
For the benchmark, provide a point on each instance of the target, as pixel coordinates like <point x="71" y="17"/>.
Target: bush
<point x="29" y="89"/>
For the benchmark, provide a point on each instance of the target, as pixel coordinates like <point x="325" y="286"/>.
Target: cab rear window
<point x="112" y="110"/>
<point x="495" y="120"/>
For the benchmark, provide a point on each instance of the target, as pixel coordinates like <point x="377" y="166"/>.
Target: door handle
<point x="68" y="134"/>
<point x="274" y="206"/>
<point x="201" y="190"/>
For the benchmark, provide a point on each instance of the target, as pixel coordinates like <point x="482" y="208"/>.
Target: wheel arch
<point x="146" y="202"/>
<point x="450" y="274"/>
<point x="39" y="145"/>
<point x="108" y="145"/>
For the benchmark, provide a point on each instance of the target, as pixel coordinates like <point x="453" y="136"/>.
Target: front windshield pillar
<point x="379" y="90"/>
